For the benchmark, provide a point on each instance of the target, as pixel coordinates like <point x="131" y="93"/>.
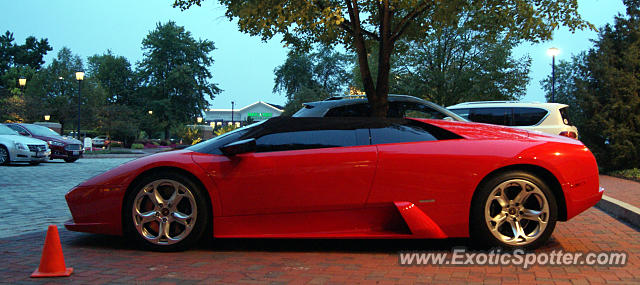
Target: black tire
<point x="70" y="160"/>
<point x="34" y="163"/>
<point x="6" y="158"/>
<point x="199" y="227"/>
<point x="482" y="218"/>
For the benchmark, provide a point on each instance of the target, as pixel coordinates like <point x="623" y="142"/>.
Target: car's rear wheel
<point x="513" y="210"/>
<point x="4" y="155"/>
<point x="166" y="212"/>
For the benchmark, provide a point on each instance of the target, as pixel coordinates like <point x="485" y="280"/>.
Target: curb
<point x="620" y="210"/>
<point x="124" y="155"/>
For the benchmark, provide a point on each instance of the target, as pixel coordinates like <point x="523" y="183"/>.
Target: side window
<point x="354" y="110"/>
<point x="400" y="133"/>
<point x="19" y="129"/>
<point x="496" y="116"/>
<point x="461" y="112"/>
<point x="528" y="116"/>
<point x="420" y="111"/>
<point x="306" y="140"/>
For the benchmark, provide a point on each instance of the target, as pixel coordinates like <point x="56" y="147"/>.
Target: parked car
<point x="61" y="147"/>
<point x="400" y="106"/>
<point x="552" y="118"/>
<point x="16" y="148"/>
<point x="290" y="177"/>
<point x="100" y="141"/>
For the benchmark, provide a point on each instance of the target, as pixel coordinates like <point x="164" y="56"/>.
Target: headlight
<point x="21" y="146"/>
<point x="55" y="143"/>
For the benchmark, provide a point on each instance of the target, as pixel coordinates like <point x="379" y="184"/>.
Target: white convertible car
<point x="17" y="148"/>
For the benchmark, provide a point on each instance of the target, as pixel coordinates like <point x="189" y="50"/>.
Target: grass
<point x="632" y="174"/>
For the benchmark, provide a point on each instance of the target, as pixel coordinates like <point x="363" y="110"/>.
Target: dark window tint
<point x="564" y="112"/>
<point x="528" y="116"/>
<point x="461" y="112"/>
<point x="409" y="131"/>
<point x="420" y="111"/>
<point x="306" y="140"/>
<point x="496" y="116"/>
<point x="18" y="129"/>
<point x="353" y="110"/>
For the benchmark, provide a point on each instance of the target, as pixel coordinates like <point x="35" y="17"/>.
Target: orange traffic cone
<point x="52" y="261"/>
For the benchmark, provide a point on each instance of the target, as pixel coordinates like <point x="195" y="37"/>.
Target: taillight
<point x="569" y="134"/>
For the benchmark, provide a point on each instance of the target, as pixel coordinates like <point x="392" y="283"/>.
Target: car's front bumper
<point x="20" y="155"/>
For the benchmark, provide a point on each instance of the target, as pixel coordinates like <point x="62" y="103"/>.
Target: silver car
<point x="17" y="148"/>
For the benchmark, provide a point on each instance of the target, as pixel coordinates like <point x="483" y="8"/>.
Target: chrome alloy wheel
<point x="164" y="212"/>
<point x="4" y="155"/>
<point x="517" y="212"/>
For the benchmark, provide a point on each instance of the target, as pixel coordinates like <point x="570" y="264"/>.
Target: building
<point x="258" y="111"/>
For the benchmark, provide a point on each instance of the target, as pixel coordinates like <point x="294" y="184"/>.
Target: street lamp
<point x="232" y="103"/>
<point x="79" y="77"/>
<point x="199" y="119"/>
<point x="553" y="52"/>
<point x="47" y="117"/>
<point x="22" y="82"/>
<point x="150" y="112"/>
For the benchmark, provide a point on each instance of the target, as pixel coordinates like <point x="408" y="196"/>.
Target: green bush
<point x="633" y="173"/>
<point x="116" y="145"/>
<point x="137" y="146"/>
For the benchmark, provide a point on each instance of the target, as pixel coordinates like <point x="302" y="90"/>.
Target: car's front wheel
<point x="513" y="210"/>
<point x="4" y="155"/>
<point x="166" y="212"/>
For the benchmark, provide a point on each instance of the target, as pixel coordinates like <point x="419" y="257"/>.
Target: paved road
<point x="33" y="196"/>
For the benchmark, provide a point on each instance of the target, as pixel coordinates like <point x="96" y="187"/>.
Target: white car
<point x="549" y="118"/>
<point x="17" y="148"/>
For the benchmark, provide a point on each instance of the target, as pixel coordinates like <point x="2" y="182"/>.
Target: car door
<point x="420" y="163"/>
<point x="308" y="169"/>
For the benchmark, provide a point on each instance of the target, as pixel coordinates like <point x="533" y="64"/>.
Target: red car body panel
<point x="401" y="190"/>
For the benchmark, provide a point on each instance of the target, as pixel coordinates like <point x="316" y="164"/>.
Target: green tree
<point x="175" y="74"/>
<point x="18" y="61"/>
<point x="456" y="64"/>
<point x="603" y="88"/>
<point x="54" y="89"/>
<point x="118" y="114"/>
<point x="311" y="77"/>
<point x="360" y="25"/>
<point x="569" y="74"/>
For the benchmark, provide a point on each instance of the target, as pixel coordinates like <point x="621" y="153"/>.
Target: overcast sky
<point x="243" y="65"/>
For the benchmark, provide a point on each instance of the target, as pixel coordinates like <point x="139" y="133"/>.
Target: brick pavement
<point x="104" y="259"/>
<point x="621" y="189"/>
<point x="33" y="196"/>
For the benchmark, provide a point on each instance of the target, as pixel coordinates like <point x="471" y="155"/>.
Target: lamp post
<point x="199" y="119"/>
<point x="553" y="52"/>
<point x="150" y="112"/>
<point x="47" y="117"/>
<point x="22" y="82"/>
<point x="232" y="103"/>
<point x="79" y="77"/>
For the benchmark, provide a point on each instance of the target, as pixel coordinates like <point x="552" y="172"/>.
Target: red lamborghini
<point x="346" y="178"/>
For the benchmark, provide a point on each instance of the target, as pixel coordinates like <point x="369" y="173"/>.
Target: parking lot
<point x="33" y="197"/>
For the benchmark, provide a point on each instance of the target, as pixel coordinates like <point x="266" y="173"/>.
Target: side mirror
<point x="239" y="147"/>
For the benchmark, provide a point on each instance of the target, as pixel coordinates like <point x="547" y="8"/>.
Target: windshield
<point x="41" y="131"/>
<point x="213" y="145"/>
<point x="4" y="130"/>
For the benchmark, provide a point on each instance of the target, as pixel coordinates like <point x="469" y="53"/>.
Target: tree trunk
<point x="380" y="104"/>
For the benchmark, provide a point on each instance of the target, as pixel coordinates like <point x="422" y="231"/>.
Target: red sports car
<point x="346" y="178"/>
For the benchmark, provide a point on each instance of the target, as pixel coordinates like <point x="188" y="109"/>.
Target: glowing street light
<point x="150" y="112"/>
<point x="47" y="117"/>
<point x="79" y="77"/>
